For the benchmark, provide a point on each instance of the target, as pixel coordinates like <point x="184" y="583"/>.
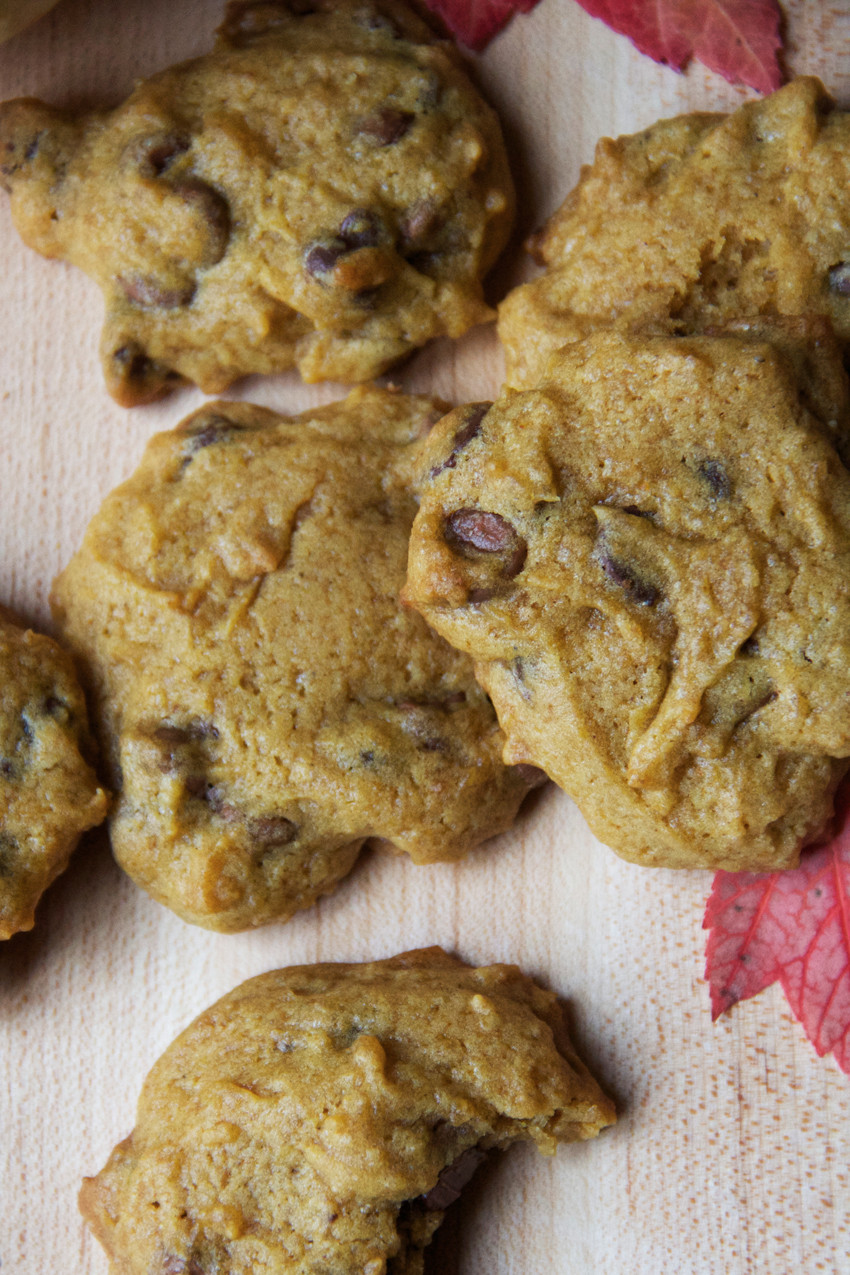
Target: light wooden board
<point x="732" y="1148"/>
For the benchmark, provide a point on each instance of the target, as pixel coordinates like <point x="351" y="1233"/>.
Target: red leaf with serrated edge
<point x="475" y="22"/>
<point x="792" y="927"/>
<point x="739" y="39"/>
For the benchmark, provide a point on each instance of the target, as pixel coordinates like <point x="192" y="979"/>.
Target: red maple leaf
<point x="740" y="39"/>
<point x="792" y="927"/>
<point x="475" y="22"/>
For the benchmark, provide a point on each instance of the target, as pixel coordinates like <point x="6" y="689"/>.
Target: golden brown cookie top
<point x="695" y="222"/>
<point x="265" y="698"/>
<point x="648" y="557"/>
<point x="49" y="795"/>
<point x="324" y="189"/>
<point x="322" y="1117"/>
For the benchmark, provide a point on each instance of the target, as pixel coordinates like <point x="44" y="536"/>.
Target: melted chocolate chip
<point x="453" y="1179"/>
<point x="272" y="830"/>
<point x="839" y="279"/>
<point x="133" y="365"/>
<point x="361" y="228"/>
<point x="147" y="292"/>
<point x="386" y="126"/>
<point x="420" y="220"/>
<point x="211" y="206"/>
<point x="488" y="533"/>
<point x="323" y="255"/>
<point x="618" y="573"/>
<point x="713" y="474"/>
<point x="427" y="263"/>
<point x="155" y="154"/>
<point x="182" y="1266"/>
<point x="464" y="434"/>
<point x="213" y="429"/>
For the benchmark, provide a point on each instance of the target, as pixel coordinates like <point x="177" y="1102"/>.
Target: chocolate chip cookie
<point x="649" y="558"/>
<point x="49" y="794"/>
<point x="695" y="222"/>
<point x="265" y="701"/>
<point x="324" y="190"/>
<point x="322" y="1118"/>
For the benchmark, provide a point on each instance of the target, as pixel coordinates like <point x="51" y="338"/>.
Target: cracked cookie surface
<point x="695" y="222"/>
<point x="49" y="794"/>
<point x="648" y="556"/>
<point x="321" y="1118"/>
<point x="265" y="701"/>
<point x="324" y="190"/>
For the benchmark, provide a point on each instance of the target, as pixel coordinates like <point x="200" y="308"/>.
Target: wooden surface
<point x="732" y="1150"/>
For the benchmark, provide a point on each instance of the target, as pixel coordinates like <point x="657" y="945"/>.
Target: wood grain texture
<point x="732" y="1151"/>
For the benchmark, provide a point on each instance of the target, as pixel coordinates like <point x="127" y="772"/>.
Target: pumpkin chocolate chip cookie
<point x="322" y="1118"/>
<point x="695" y="222"/>
<point x="49" y="795"/>
<point x="648" y="557"/>
<point x="265" y="701"/>
<point x="324" y="190"/>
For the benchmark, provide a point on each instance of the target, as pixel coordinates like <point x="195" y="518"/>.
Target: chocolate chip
<point x="482" y="594"/>
<point x="272" y="830"/>
<point x="211" y="430"/>
<point x="214" y="209"/>
<point x="182" y="1266"/>
<point x="386" y="126"/>
<point x="7" y="768"/>
<point x="198" y="786"/>
<point x="470" y="428"/>
<point x="427" y="263"/>
<point x="171" y="736"/>
<point x="488" y="533"/>
<point x="839" y="279"/>
<point x="453" y="1179"/>
<point x="374" y="21"/>
<point x="146" y="291"/>
<point x="361" y="228"/>
<point x="420" y="220"/>
<point x="323" y="255"/>
<point x="618" y="573"/>
<point x="155" y="154"/>
<point x="216" y="799"/>
<point x="713" y="474"/>
<point x="133" y="377"/>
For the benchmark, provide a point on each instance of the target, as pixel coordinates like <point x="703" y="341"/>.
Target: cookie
<point x="322" y="1118"/>
<point x="49" y="794"/>
<point x="695" y="222"/>
<point x="265" y="701"/>
<point x="648" y="557"/>
<point x="324" y="190"/>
